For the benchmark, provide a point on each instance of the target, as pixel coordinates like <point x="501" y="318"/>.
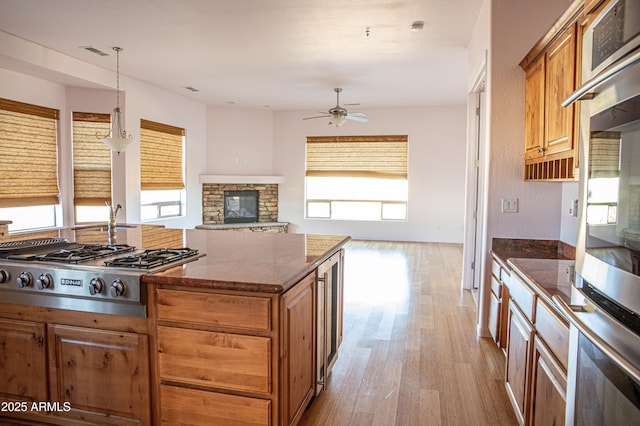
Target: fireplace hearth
<point x="241" y="206"/>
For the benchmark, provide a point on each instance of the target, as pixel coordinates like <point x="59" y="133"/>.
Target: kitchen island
<point x="246" y="334"/>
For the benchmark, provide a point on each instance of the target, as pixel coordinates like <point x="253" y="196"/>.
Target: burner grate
<point x="28" y="244"/>
<point x="83" y="253"/>
<point x="151" y="258"/>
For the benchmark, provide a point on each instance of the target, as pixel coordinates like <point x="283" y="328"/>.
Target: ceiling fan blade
<point x="317" y="116"/>
<point x="357" y="116"/>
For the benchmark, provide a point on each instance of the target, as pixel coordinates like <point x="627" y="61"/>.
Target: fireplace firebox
<point x="240" y="206"/>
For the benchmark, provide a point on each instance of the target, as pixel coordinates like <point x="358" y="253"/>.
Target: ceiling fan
<point x="339" y="115"/>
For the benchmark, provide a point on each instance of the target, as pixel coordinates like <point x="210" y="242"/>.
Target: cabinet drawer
<point x="197" y="407"/>
<point x="554" y="331"/>
<point x="223" y="360"/>
<point x="501" y="274"/>
<point x="495" y="269"/>
<point x="243" y="312"/>
<point x="523" y="296"/>
<point x="496" y="287"/>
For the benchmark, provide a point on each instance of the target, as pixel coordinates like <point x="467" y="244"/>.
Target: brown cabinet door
<point x="560" y="83"/>
<point x="298" y="337"/>
<point x="518" y="355"/>
<point x="548" y="387"/>
<point x="104" y="375"/>
<point x="23" y="361"/>
<point x="534" y="110"/>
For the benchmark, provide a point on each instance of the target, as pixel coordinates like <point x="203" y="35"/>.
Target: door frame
<point x="474" y="224"/>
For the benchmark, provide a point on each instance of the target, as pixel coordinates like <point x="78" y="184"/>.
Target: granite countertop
<point x="241" y="261"/>
<point x="547" y="277"/>
<point x="506" y="248"/>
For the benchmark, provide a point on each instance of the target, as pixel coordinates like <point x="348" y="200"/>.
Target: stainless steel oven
<point x="603" y="384"/>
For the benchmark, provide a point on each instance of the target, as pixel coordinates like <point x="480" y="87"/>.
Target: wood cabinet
<point x="298" y="349"/>
<point x="517" y="373"/>
<point x="499" y="303"/>
<point x="551" y="75"/>
<point x="215" y="349"/>
<point x="548" y="387"/>
<point x="80" y="373"/>
<point x="23" y="361"/>
<point x="218" y="353"/>
<point x="560" y="82"/>
<point x="534" y="103"/>
<point x="537" y="356"/>
<point x="104" y="375"/>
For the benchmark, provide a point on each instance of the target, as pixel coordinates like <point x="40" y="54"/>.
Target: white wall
<point x="514" y="26"/>
<point x="240" y="141"/>
<point x="437" y="137"/>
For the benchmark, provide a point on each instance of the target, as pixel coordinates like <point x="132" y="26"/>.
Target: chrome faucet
<point x="111" y="226"/>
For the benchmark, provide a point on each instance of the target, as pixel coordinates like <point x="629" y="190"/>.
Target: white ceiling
<point x="277" y="54"/>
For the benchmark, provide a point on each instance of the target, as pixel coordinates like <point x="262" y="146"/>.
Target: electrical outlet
<point x="509" y="205"/>
<point x="573" y="208"/>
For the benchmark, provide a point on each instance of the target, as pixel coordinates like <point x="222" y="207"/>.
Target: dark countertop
<point x="249" y="261"/>
<point x="506" y="248"/>
<point x="239" y="261"/>
<point x="542" y="264"/>
<point x="547" y="277"/>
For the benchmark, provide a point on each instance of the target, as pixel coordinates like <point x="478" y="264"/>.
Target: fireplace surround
<point x="213" y="201"/>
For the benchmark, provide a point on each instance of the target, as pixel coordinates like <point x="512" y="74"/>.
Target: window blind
<point x="357" y="156"/>
<point x="160" y="156"/>
<point x="28" y="154"/>
<point x="91" y="159"/>
<point x="604" y="158"/>
<point x="159" y="237"/>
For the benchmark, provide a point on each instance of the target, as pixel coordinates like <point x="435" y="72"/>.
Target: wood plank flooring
<point x="409" y="354"/>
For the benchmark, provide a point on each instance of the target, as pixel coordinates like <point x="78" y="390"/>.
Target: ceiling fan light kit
<point x="338" y="115"/>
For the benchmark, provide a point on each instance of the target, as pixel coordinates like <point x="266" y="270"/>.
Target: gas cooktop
<point x="57" y="273"/>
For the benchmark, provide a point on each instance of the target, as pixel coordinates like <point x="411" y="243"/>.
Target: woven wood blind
<point x="357" y="156"/>
<point x="154" y="237"/>
<point x="604" y="155"/>
<point x="91" y="159"/>
<point x="160" y="156"/>
<point x="92" y="236"/>
<point x="28" y="155"/>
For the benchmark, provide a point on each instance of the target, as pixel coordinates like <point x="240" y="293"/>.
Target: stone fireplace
<point x="213" y="207"/>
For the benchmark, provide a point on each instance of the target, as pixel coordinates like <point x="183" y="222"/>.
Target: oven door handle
<point x="606" y="74"/>
<point x="569" y="312"/>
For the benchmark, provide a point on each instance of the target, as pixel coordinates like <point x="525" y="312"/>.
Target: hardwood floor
<point x="409" y="354"/>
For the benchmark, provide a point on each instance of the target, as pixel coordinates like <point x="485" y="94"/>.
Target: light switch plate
<point x="509" y="205"/>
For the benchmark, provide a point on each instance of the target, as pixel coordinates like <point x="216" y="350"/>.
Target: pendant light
<point x="117" y="139"/>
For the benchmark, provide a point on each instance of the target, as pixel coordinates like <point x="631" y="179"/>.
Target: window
<point x="28" y="165"/>
<point x="604" y="178"/>
<point x="161" y="170"/>
<point x="357" y="178"/>
<point x="91" y="167"/>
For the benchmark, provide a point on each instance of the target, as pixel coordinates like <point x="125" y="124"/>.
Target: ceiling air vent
<point x="94" y="50"/>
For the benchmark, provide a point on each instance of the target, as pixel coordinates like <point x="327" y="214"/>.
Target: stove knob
<point x="45" y="281"/>
<point x="96" y="286"/>
<point x="4" y="276"/>
<point x="25" y="279"/>
<point x="118" y="288"/>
